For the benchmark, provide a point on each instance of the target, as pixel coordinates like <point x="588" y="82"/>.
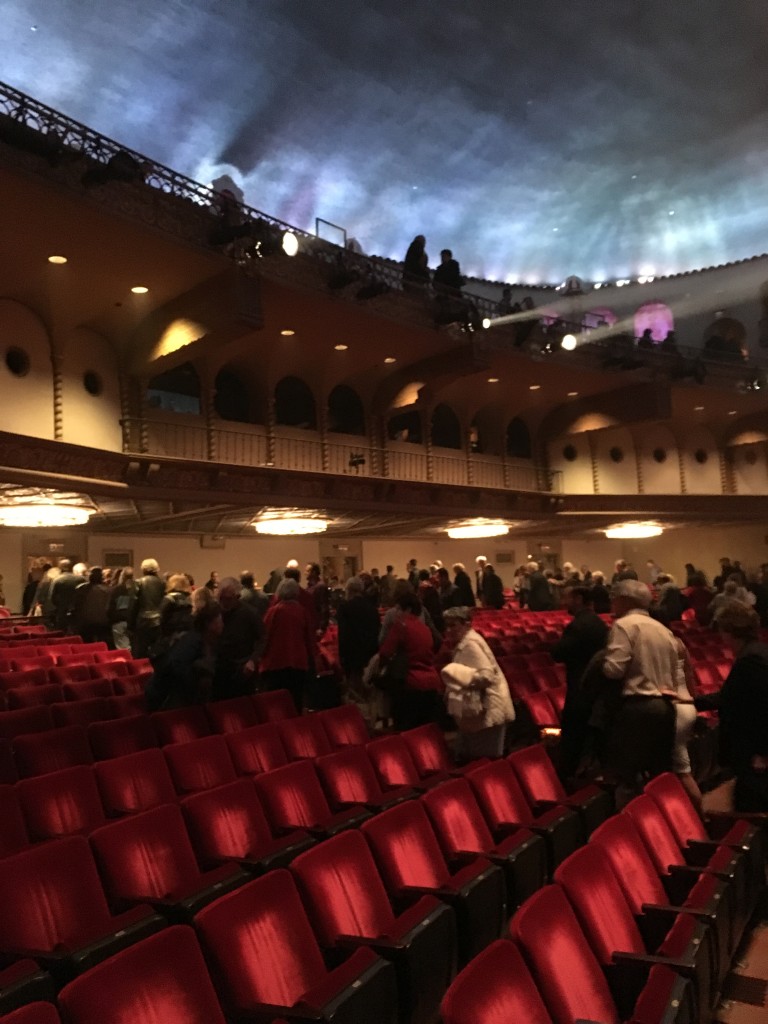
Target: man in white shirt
<point x="642" y="654"/>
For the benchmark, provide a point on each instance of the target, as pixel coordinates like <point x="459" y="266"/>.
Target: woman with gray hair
<point x="477" y="693"/>
<point x="290" y="646"/>
<point x="358" y="621"/>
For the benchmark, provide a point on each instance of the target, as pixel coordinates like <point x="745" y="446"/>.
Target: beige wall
<point x="27" y="402"/>
<point x="92" y="420"/>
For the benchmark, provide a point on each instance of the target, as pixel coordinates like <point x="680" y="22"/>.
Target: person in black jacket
<point x="464" y="586"/>
<point x="358" y="620"/>
<point x="539" y="592"/>
<point x="493" y="588"/>
<point x="150" y="591"/>
<point x="601" y="595"/>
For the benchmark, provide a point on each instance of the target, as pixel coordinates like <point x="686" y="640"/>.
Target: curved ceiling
<point x="536" y="139"/>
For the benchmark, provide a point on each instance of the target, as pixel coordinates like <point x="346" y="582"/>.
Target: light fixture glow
<point x="534" y="387"/>
<point x="58" y="260"/>
<point x="290" y="526"/>
<point x="45" y="514"/>
<point x="572" y="394"/>
<point x="290" y="244"/>
<point x="493" y="380"/>
<point x="477" y="529"/>
<point x="341" y="348"/>
<point x="634" y="531"/>
<point x="390" y="359"/>
<point x="698" y="408"/>
<point x="486" y="322"/>
<point x="287" y="333"/>
<point x="569" y="342"/>
<point x="139" y="289"/>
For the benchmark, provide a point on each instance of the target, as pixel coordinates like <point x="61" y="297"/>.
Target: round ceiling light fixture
<point x="569" y="342"/>
<point x="290" y="526"/>
<point x="478" y="528"/>
<point x="58" y="260"/>
<point x="44" y="514"/>
<point x="634" y="531"/>
<point x="139" y="289"/>
<point x="290" y="243"/>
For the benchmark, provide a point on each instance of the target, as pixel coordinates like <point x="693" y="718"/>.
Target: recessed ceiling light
<point x="341" y="348"/>
<point x="572" y="394"/>
<point x="390" y="359"/>
<point x="698" y="408"/>
<point x="57" y="259"/>
<point x="731" y="412"/>
<point x="534" y="387"/>
<point x="287" y="334"/>
<point x="139" y="289"/>
<point x="493" y="380"/>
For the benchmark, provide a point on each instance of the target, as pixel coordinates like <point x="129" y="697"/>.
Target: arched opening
<point x="295" y="404"/>
<point x="657" y="318"/>
<point x="726" y="339"/>
<point x="176" y="390"/>
<point x="518" y="440"/>
<point x="405" y="426"/>
<point x="345" y="411"/>
<point x="445" y="428"/>
<point x="477" y="440"/>
<point x="600" y="317"/>
<point x="232" y="400"/>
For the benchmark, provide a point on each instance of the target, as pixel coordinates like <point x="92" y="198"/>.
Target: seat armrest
<point x="379" y="945"/>
<point x="684" y="965"/>
<point x="264" y="1013"/>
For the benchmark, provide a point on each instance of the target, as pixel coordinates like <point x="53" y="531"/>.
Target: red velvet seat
<point x="13" y="832"/>
<point x="411" y="864"/>
<point x="61" y="803"/>
<point x="148" y="858"/>
<point x="52" y="907"/>
<point x="129" y="685"/>
<point x="464" y="834"/>
<point x="349" y="779"/>
<point x="557" y="697"/>
<point x="180" y="725"/>
<point x="199" y="764"/>
<point x="33" y="696"/>
<point x="134" y="783"/>
<point x="274" y="705"/>
<point x="41" y="752"/>
<point x="344" y="726"/>
<point x="541" y="709"/>
<point x="70" y="673"/>
<point x="110" y="669"/>
<point x="25" y="663"/>
<point x="429" y="751"/>
<point x="495" y="988"/>
<point x="265" y="961"/>
<point x="348" y="907"/>
<point x="81" y="712"/>
<point x="25" y="721"/>
<point x="162" y="979"/>
<point x="106" y="657"/>
<point x="293" y="798"/>
<point x="128" y="705"/>
<point x="24" y="987"/>
<point x="121" y="736"/>
<point x="34" y="1013"/>
<point x="256" y="750"/>
<point x="8" y="773"/>
<point x="614" y="934"/>
<point x="228" y="824"/>
<point x="231" y="715"/>
<point x="304" y="737"/>
<point x="394" y="765"/>
<point x="542" y="788"/>
<point x="570" y="980"/>
<point x="26" y="678"/>
<point x="82" y="689"/>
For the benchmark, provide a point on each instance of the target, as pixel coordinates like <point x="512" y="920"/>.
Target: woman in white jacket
<point x="477" y="693"/>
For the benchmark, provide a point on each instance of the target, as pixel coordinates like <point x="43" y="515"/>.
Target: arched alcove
<point x="656" y="317"/>
<point x="405" y="426"/>
<point x="232" y="400"/>
<point x="600" y="317"/>
<point x="726" y="339"/>
<point x="518" y="440"/>
<point x="445" y="429"/>
<point x="176" y="390"/>
<point x="345" y="411"/>
<point x="295" y="404"/>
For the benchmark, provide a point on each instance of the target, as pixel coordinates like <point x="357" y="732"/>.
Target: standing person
<point x="447" y="277"/>
<point x="670" y="604"/>
<point x="480" y="563"/>
<point x="463" y="584"/>
<point x="416" y="263"/>
<point x="318" y="590"/>
<point x="122" y="600"/>
<point x="641" y="654"/>
<point x="358" y="621"/>
<point x="387" y="587"/>
<point x="685" y="723"/>
<point x="493" y="588"/>
<point x="483" y="734"/>
<point x="412" y="573"/>
<point x="240" y="645"/>
<point x="149" y="597"/>
<point x="289" y="653"/>
<point x="539" y="593"/>
<point x="447" y="592"/>
<point x="252" y="595"/>
<point x="601" y="596"/>
<point x="62" y="597"/>
<point x="581" y="639"/>
<point x="212" y="583"/>
<point x="90" y="612"/>
<point x="430" y="599"/>
<point x="43" y="603"/>
<point x="699" y="598"/>
<point x="417" y="700"/>
<point x="183" y="675"/>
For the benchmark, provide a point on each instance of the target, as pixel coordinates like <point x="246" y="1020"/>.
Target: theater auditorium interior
<point x="213" y="354"/>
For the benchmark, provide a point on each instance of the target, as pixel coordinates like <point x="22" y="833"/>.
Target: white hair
<point x="634" y="591"/>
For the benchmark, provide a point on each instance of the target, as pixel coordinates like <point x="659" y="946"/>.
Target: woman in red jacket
<point x="290" y="647"/>
<point x="408" y="644"/>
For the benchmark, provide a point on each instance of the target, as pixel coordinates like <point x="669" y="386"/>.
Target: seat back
<point x="32" y="696"/>
<point x="128" y="705"/>
<point x="344" y="726"/>
<point x="499" y="794"/>
<point x="304" y="737"/>
<point x="163" y="978"/>
<point x="536" y="775"/>
<point x="562" y="965"/>
<point x="129" y="685"/>
<point x="70" y="673"/>
<point x="61" y="803"/>
<point x="256" y="750"/>
<point x="81" y="689"/>
<point x="292" y="797"/>
<point x="260" y="943"/>
<point x="121" y="736"/>
<point x="595" y="894"/>
<point x="405" y="848"/>
<point x="658" y="837"/>
<point x="227" y="822"/>
<point x="348" y="777"/>
<point x="33" y="1013"/>
<point x="494" y="988"/>
<point x="199" y="764"/>
<point x="24" y="663"/>
<point x="630" y="861"/>
<point x="180" y="725"/>
<point x="146" y="856"/>
<point x="342" y="890"/>
<point x="457" y="819"/>
<point x="41" y="752"/>
<point x="25" y="678"/>
<point x="105" y="657"/>
<point x="134" y="783"/>
<point x="427" y="749"/>
<point x="81" y="712"/>
<point x="231" y="715"/>
<point x="13" y="833"/>
<point x="667" y="792"/>
<point x="274" y="705"/>
<point x="25" y="721"/>
<point x="392" y="762"/>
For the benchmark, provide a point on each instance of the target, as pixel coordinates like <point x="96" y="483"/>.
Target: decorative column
<point x="593" y="460"/>
<point x="57" y="366"/>
<point x="143" y="425"/>
<point x="470" y="460"/>
<point x="271" y="425"/>
<point x="681" y="469"/>
<point x="727" y="477"/>
<point x="209" y="410"/>
<point x="639" y="470"/>
<point x="125" y="405"/>
<point x="430" y="457"/>
<point x="322" y="426"/>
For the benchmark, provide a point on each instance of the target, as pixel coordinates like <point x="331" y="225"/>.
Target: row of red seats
<point x="629" y="930"/>
<point x="47" y="657"/>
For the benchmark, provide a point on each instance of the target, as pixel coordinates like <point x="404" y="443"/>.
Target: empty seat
<point x="570" y="980"/>
<point x="128" y="685"/>
<point x="265" y="960"/>
<point x="344" y="726"/>
<point x="24" y="721"/>
<point x="26" y="663"/>
<point x="541" y="709"/>
<point x="81" y="712"/>
<point x="134" y="783"/>
<point x="128" y="705"/>
<point x="543" y="789"/>
<point x="304" y="737"/>
<point x="293" y="798"/>
<point x="25" y="678"/>
<point x="180" y="725"/>
<point x="148" y="858"/>
<point x="32" y="696"/>
<point x="256" y="750"/>
<point x="199" y="764"/>
<point x="41" y="752"/>
<point x="61" y="803"/>
<point x="52" y="906"/>
<point x="121" y="736"/>
<point x="274" y="705"/>
<point x="161" y="979"/>
<point x="70" y="673"/>
<point x="8" y="773"/>
<point x="411" y="864"/>
<point x="394" y="765"/>
<point x="348" y="778"/>
<point x="429" y="751"/>
<point x="105" y="657"/>
<point x="34" y="1013"/>
<point x="82" y="689"/>
<point x="110" y="670"/>
<point x="228" y="824"/>
<point x="348" y="906"/>
<point x="463" y="833"/>
<point x="495" y="988"/>
<point x="13" y="833"/>
<point x="231" y="715"/>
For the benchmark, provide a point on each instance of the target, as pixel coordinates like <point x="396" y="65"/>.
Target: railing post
<point x="322" y="424"/>
<point x="271" y="426"/>
<point x="507" y="473"/>
<point x="143" y="426"/>
<point x="470" y="460"/>
<point x="58" y="392"/>
<point x="209" y="395"/>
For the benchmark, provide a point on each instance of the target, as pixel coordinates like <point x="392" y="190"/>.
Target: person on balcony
<point x="416" y="264"/>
